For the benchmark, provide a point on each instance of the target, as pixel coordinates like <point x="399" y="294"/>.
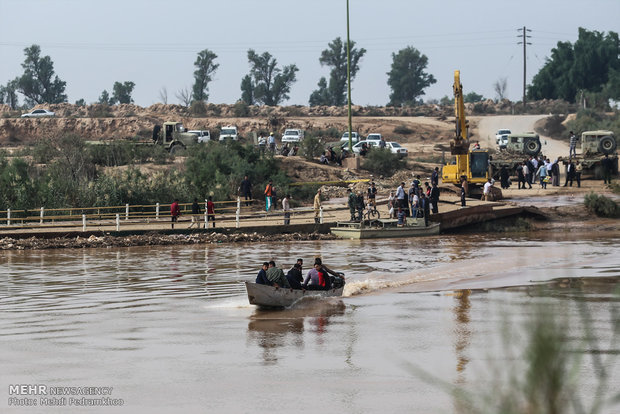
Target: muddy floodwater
<point x="169" y="329"/>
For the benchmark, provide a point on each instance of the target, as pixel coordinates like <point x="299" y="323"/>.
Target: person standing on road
<point x="317" y="207"/>
<point x="175" y="211"/>
<point x="542" y="175"/>
<point x="272" y="143"/>
<point x="195" y="214"/>
<point x="268" y="192"/>
<point x="245" y="190"/>
<point x="463" y="191"/>
<point x="503" y="177"/>
<point x="570" y="173"/>
<point x="607" y="167"/>
<point x="286" y="207"/>
<point x="555" y="173"/>
<point x="572" y="152"/>
<point x="578" y="170"/>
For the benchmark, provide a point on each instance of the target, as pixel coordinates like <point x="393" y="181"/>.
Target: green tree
<point x="268" y="84"/>
<point x="408" y="77"/>
<point x="472" y="97"/>
<point x="8" y="94"/>
<point x="247" y="90"/>
<point x="39" y="84"/>
<point x="121" y="92"/>
<point x="205" y="68"/>
<point x="585" y="66"/>
<point x="321" y="95"/>
<point x="105" y="99"/>
<point x="80" y="102"/>
<point x="335" y="56"/>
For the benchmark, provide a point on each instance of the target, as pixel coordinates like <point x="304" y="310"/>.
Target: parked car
<point x="203" y="136"/>
<point x="501" y="138"/>
<point x="292" y="135"/>
<point x="354" y="137"/>
<point x="374" y="137"/>
<point x="394" y="147"/>
<point x="39" y="113"/>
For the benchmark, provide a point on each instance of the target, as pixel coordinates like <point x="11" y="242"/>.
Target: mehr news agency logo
<point x="32" y="395"/>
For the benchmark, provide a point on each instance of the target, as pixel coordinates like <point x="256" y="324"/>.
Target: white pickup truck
<point x="229" y="132"/>
<point x="203" y="135"/>
<point x="293" y="135"/>
<point x="501" y="138"/>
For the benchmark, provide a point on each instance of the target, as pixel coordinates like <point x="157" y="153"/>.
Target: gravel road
<point x="488" y="125"/>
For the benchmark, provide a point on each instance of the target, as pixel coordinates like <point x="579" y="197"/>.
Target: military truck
<point x="519" y="147"/>
<point x="173" y="136"/>
<point x="594" y="146"/>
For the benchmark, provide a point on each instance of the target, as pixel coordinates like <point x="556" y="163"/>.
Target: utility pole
<point x="523" y="35"/>
<point x="349" y="83"/>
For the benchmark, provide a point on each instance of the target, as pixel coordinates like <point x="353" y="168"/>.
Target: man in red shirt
<point x="175" y="211"/>
<point x="210" y="212"/>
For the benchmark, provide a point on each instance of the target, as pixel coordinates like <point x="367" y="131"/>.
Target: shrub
<point x="383" y="162"/>
<point x="601" y="206"/>
<point x="241" y="109"/>
<point x="403" y="130"/>
<point x="311" y="147"/>
<point x="198" y="108"/>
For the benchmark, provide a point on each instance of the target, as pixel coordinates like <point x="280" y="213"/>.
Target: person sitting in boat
<point x="318" y="277"/>
<point x="261" y="278"/>
<point x="294" y="276"/>
<point x="276" y="276"/>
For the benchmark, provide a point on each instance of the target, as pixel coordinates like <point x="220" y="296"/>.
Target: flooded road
<point x="170" y="329"/>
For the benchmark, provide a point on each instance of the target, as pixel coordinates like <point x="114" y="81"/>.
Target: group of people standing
<point x="416" y="201"/>
<point x="543" y="170"/>
<point x="317" y="278"/>
<point x="175" y="213"/>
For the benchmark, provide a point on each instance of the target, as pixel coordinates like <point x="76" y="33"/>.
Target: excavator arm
<point x="460" y="144"/>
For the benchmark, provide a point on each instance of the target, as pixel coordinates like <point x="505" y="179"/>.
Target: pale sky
<point x="154" y="43"/>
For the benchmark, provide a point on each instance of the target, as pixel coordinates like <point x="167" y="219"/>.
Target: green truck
<point x="594" y="146"/>
<point x="173" y="136"/>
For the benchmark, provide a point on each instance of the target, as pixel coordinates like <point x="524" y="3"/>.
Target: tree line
<point x="588" y="69"/>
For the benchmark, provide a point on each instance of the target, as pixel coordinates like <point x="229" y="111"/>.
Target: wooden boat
<point x="273" y="297"/>
<point x="382" y="228"/>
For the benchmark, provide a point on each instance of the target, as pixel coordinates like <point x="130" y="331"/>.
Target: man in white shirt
<point x="486" y="191"/>
<point x="272" y="143"/>
<point x="286" y="207"/>
<point x="401" y="197"/>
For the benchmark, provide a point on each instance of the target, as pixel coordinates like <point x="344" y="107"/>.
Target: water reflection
<point x="274" y="329"/>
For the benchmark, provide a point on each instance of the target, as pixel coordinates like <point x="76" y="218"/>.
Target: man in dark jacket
<point x="434" y="198"/>
<point x="245" y="190"/>
<point x="261" y="278"/>
<point x="294" y="276"/>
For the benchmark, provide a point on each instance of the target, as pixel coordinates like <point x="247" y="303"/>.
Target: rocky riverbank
<point x="151" y="239"/>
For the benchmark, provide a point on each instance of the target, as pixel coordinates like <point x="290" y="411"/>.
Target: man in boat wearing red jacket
<point x="318" y="277"/>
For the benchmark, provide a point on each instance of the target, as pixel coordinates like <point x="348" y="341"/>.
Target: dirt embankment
<point x="98" y="121"/>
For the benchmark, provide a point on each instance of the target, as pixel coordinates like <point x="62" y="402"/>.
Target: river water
<point x="170" y="329"/>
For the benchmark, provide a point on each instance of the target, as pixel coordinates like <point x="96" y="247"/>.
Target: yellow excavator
<point x="474" y="164"/>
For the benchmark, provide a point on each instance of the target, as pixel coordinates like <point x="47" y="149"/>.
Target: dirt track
<point x="488" y="125"/>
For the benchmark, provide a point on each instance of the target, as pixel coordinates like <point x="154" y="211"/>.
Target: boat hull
<point x="273" y="297"/>
<point x="391" y="232"/>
